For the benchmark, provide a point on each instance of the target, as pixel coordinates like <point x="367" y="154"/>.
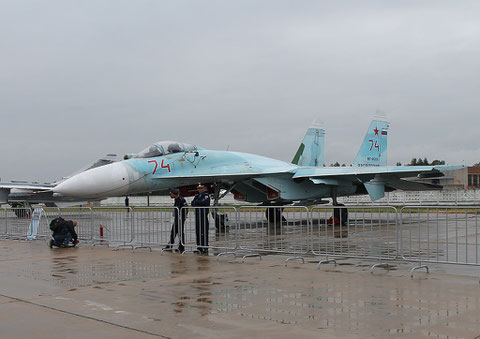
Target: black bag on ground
<point x="56" y="225"/>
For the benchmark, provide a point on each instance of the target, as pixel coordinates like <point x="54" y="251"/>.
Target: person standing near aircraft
<point x="127" y="204"/>
<point x="179" y="216"/>
<point x="201" y="218"/>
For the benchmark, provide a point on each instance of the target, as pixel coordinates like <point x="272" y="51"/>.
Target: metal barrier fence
<point x="152" y="226"/>
<point x="3" y="222"/>
<point x="115" y="225"/>
<point x="436" y="234"/>
<point x="427" y="198"/>
<point x="433" y="234"/>
<point x="17" y="221"/>
<point x="221" y="232"/>
<point x="279" y="229"/>
<point x="358" y="232"/>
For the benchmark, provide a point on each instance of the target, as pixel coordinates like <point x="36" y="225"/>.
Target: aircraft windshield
<point x="164" y="147"/>
<point x="149" y="152"/>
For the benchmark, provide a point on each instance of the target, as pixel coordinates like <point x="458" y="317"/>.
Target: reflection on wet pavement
<point x="171" y="294"/>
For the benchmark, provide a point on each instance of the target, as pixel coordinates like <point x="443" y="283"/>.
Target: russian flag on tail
<point x="384" y="132"/>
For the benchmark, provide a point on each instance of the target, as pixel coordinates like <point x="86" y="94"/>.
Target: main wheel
<point x="21" y="212"/>
<point x="341" y="213"/>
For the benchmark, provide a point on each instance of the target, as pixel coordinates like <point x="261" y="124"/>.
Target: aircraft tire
<point x="274" y="215"/>
<point x="20" y="212"/>
<point x="341" y="214"/>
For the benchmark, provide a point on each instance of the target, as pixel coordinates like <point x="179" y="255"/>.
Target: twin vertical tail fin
<point x="373" y="151"/>
<point x="312" y="149"/>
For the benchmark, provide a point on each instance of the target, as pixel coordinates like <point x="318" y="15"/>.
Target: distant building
<point x="465" y="178"/>
<point x="473" y="180"/>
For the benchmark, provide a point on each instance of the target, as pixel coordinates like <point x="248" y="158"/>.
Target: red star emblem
<point x="376" y="130"/>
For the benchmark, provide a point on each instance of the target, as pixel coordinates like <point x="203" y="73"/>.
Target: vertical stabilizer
<point x="312" y="149"/>
<point x="373" y="151"/>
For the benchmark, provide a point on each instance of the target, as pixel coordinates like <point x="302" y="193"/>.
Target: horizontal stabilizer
<point x="406" y="185"/>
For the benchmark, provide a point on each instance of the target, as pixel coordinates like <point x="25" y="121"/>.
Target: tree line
<point x="413" y="162"/>
<point x="423" y="162"/>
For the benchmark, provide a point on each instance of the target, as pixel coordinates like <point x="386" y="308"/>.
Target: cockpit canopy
<point x="165" y="147"/>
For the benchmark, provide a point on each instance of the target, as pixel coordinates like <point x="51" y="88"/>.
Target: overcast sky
<point x="80" y="79"/>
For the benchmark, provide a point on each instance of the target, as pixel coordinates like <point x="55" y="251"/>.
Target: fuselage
<point x="140" y="175"/>
<point x="250" y="177"/>
<point x="256" y="178"/>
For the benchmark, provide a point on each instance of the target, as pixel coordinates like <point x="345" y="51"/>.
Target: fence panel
<point x="152" y="225"/>
<point x="222" y="228"/>
<point x="3" y="222"/>
<point x="278" y="229"/>
<point x="446" y="234"/>
<point x="113" y="225"/>
<point x="355" y="231"/>
<point x="17" y="221"/>
<point x="415" y="198"/>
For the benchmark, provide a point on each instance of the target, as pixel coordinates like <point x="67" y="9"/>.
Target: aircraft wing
<point x="35" y="192"/>
<point x="227" y="177"/>
<point x="26" y="186"/>
<point x="375" y="179"/>
<point x="367" y="172"/>
<point x="13" y="188"/>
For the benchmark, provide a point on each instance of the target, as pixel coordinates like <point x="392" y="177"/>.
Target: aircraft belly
<point x="305" y="190"/>
<point x="251" y="194"/>
<point x="345" y="190"/>
<point x="290" y="190"/>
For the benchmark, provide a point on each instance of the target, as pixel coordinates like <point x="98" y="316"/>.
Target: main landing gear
<point x="21" y="210"/>
<point x="339" y="219"/>
<point x="274" y="215"/>
<point x="221" y="220"/>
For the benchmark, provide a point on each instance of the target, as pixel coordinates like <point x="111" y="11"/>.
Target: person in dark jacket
<point x="179" y="216"/>
<point x="201" y="218"/>
<point x="65" y="234"/>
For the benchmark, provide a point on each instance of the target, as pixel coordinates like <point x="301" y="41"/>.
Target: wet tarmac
<point x="100" y="292"/>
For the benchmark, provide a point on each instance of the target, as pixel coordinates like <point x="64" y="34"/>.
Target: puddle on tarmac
<point x="356" y="304"/>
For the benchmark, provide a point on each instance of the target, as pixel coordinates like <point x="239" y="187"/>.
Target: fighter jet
<point x="254" y="178"/>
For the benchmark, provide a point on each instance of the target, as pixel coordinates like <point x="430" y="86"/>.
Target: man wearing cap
<point x="180" y="211"/>
<point x="201" y="218"/>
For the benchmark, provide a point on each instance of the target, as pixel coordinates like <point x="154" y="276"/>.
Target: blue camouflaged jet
<point x="254" y="178"/>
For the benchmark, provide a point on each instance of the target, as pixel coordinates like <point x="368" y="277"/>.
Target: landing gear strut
<point x="340" y="218"/>
<point x="220" y="219"/>
<point x="341" y="213"/>
<point x="274" y="215"/>
<point x="21" y="210"/>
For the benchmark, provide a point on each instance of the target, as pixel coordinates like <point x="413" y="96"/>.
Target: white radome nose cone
<point x="106" y="181"/>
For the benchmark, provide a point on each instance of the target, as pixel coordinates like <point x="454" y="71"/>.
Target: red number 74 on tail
<point x="376" y="145"/>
